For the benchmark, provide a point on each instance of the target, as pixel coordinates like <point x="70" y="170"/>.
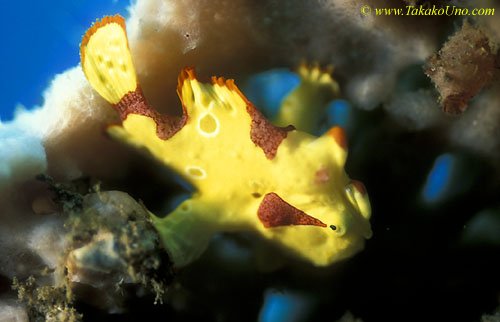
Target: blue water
<point x="438" y="178"/>
<point x="266" y="90"/>
<point x="41" y="39"/>
<point x="284" y="306"/>
<point x="338" y="113"/>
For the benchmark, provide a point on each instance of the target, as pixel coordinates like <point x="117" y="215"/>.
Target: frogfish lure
<point x="282" y="184"/>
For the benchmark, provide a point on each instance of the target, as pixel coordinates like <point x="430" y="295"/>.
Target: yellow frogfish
<point x="286" y="186"/>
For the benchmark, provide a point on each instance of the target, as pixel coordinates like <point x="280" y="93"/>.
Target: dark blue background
<point x="41" y="39"/>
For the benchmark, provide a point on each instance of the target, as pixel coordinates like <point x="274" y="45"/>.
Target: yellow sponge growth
<point x="287" y="186"/>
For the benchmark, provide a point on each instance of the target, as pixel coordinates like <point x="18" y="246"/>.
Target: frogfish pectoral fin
<point x="184" y="232"/>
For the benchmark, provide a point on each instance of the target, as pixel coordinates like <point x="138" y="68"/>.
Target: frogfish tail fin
<point x="106" y="59"/>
